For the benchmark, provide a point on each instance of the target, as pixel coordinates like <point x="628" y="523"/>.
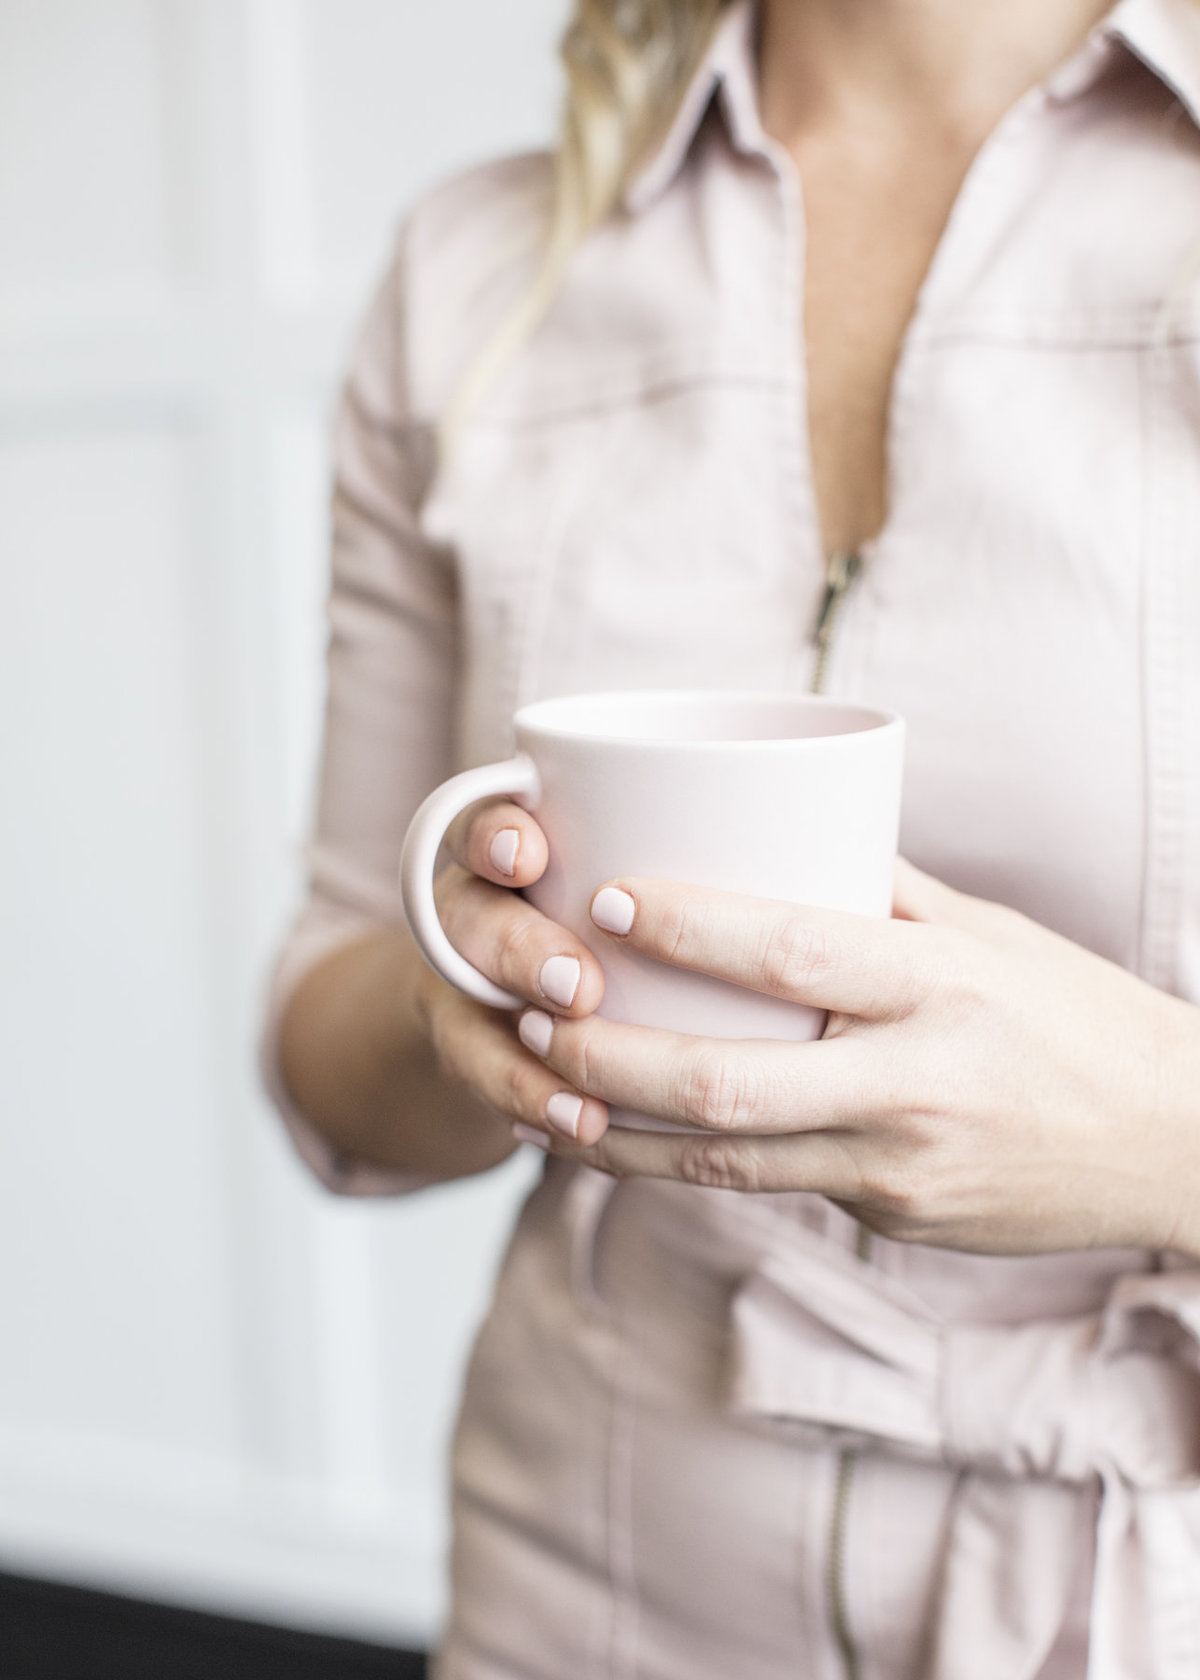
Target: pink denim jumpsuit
<point x="711" y="1436"/>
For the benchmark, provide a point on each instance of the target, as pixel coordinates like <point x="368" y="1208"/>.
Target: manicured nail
<point x="530" y="1134"/>
<point x="563" y="1111"/>
<point x="503" y="850"/>
<point x="559" y="980"/>
<point x="613" y="910"/>
<point x="535" y="1029"/>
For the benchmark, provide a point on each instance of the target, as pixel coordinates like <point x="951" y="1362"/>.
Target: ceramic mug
<point x="783" y="796"/>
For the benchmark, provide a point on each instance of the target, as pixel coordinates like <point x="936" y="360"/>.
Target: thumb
<point x="917" y="897"/>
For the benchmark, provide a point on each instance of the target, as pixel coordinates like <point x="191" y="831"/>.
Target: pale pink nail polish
<point x="563" y="1111"/>
<point x="535" y="1029"/>
<point x="530" y="1134"/>
<point x="613" y="910"/>
<point x="559" y="980"/>
<point x="503" y="850"/>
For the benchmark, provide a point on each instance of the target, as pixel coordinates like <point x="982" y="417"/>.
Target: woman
<point x="875" y="318"/>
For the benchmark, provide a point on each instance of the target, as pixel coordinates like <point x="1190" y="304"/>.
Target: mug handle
<point x="517" y="777"/>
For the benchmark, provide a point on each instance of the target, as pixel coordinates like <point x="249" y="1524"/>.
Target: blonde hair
<point x="628" y="65"/>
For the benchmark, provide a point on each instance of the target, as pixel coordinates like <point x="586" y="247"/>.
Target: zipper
<point x="839" y="1619"/>
<point x="840" y="573"/>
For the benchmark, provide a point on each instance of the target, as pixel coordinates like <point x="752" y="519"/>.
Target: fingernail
<point x="535" y="1029"/>
<point x="529" y="1134"/>
<point x="563" y="1111"/>
<point x="503" y="850"/>
<point x="559" y="980"/>
<point x="613" y="910"/>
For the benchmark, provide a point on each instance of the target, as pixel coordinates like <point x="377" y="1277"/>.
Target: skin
<point x="982" y="1084"/>
<point x="883" y="105"/>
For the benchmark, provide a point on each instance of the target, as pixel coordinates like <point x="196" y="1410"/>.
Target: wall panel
<point x="105" y="981"/>
<point x="88" y="152"/>
<point x="401" y="96"/>
<point x="217" y="1385"/>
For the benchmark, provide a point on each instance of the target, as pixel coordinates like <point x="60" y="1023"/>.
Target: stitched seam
<point x="1164" y="699"/>
<point x="623" y="1632"/>
<point x="652" y="390"/>
<point x="1128" y="341"/>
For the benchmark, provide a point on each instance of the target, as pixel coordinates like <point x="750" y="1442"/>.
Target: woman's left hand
<point x="982" y="1083"/>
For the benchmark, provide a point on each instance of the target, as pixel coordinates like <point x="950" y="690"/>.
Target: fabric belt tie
<point x="1030" y="1413"/>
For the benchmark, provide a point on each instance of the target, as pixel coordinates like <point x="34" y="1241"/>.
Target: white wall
<point x="216" y="1384"/>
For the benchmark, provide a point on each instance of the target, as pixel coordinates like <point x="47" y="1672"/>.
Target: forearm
<point x="1178" y="1105"/>
<point x="357" y="1060"/>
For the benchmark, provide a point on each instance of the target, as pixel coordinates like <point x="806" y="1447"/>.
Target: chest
<point x="650" y="518"/>
<point x="874" y="216"/>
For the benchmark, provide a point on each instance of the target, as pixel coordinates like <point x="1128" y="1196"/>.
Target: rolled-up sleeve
<point x="392" y="667"/>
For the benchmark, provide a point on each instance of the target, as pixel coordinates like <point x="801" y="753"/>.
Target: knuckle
<point x="796" y="954"/>
<point x="899" y="1191"/>
<point x="954" y="974"/>
<point x="719" y="1089"/>
<point x="453" y="840"/>
<point x="899" y="1197"/>
<point x="511" y="942"/>
<point x="515" y="1096"/>
<point x="448" y="887"/>
<point x="719" y="1163"/>
<point x="445" y="1047"/>
<point x="669" y="930"/>
<point x="676" y="930"/>
<point x="522" y="1092"/>
<point x="935" y="964"/>
<point x="472" y="842"/>
<point x="601" y="1156"/>
<point x="476" y="822"/>
<point x="576" y="1056"/>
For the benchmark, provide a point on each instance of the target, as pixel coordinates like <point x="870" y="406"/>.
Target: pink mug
<point x="784" y="796"/>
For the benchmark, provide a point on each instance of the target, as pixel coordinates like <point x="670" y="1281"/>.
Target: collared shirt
<point x="631" y="504"/>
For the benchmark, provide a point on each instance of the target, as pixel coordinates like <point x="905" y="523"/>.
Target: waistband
<point x="826" y="1347"/>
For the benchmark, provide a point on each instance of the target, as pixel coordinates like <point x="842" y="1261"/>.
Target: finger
<point x="915" y="896"/>
<point x="479" y="1048"/>
<point x="516" y="946"/>
<point x="814" y="1161"/>
<point x="918" y="897"/>
<point x="856" y="965"/>
<point x="724" y="1085"/>
<point x="498" y="841"/>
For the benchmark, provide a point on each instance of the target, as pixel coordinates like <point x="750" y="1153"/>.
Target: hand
<point x="497" y="848"/>
<point x="982" y="1083"/>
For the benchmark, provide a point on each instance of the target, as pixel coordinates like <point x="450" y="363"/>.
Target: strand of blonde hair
<point x="628" y="64"/>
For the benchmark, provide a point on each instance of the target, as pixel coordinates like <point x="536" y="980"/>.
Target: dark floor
<point x="53" y="1632"/>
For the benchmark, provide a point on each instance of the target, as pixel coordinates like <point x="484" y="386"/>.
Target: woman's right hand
<point x="497" y="848"/>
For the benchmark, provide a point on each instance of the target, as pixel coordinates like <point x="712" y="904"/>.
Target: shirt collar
<point x="728" y="72"/>
<point x="1163" y="34"/>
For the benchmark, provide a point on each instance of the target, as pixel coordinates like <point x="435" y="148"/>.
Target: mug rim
<point x="881" y="720"/>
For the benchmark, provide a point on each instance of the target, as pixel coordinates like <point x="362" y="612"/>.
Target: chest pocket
<point x="646" y="545"/>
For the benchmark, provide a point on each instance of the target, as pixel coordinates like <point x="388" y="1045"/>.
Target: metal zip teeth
<point x="838" y="1614"/>
<point x="840" y="573"/>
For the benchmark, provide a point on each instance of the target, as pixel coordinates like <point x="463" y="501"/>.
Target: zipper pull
<point x="840" y="574"/>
